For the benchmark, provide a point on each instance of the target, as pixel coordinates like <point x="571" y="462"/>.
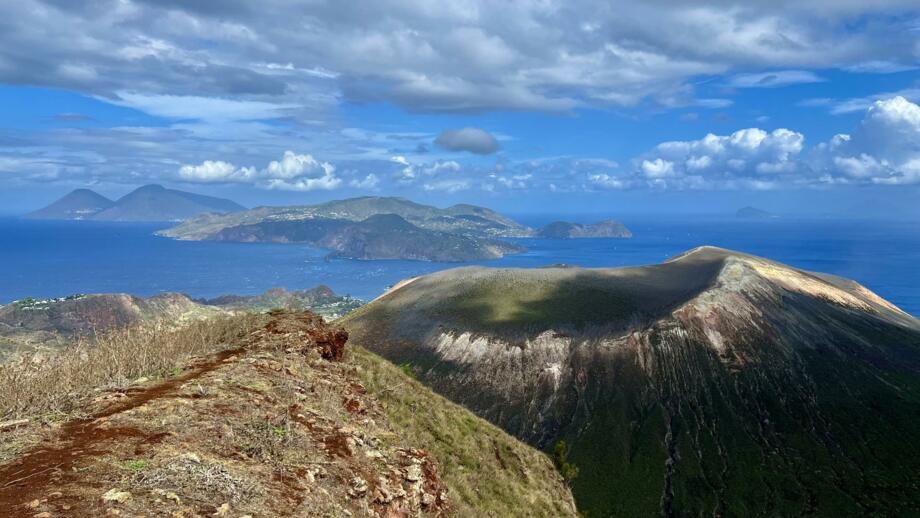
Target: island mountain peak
<point x="151" y="202"/>
<point x="78" y="204"/>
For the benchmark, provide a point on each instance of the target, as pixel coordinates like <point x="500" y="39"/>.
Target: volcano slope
<point x="715" y="383"/>
<point x="281" y="420"/>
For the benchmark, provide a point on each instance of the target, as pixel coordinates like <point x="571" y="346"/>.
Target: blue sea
<point x="50" y="259"/>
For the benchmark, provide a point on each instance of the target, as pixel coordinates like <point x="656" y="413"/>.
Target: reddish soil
<point x="39" y="472"/>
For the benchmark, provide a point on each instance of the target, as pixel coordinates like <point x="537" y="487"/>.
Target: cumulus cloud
<point x="213" y="171"/>
<point x="473" y="140"/>
<point x="883" y="149"/>
<point x="410" y="172"/>
<point x="294" y="172"/>
<point x="293" y="165"/>
<point x="750" y="157"/>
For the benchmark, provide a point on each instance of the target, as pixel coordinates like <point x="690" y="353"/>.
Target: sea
<point x="46" y="259"/>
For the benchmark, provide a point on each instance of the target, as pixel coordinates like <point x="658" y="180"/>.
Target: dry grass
<point x="186" y="473"/>
<point x="55" y="383"/>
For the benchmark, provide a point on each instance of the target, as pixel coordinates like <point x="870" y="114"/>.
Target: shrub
<point x="406" y="369"/>
<point x="568" y="470"/>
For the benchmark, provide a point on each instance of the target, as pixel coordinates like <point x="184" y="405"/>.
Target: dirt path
<point x="37" y="473"/>
<point x="279" y="427"/>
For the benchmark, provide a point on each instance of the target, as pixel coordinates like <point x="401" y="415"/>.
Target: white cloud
<point x="657" y="168"/>
<point x="861" y="104"/>
<point x="216" y="171"/>
<point x="369" y="182"/>
<point x="884" y="148"/>
<point x="411" y="172"/>
<point x="324" y="183"/>
<point x="294" y="172"/>
<point x="203" y="108"/>
<point x="514" y="181"/>
<point x="726" y="159"/>
<point x="862" y="166"/>
<point x="606" y="181"/>
<point x="293" y="165"/>
<point x="448" y="185"/>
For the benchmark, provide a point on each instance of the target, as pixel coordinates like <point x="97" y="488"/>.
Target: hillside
<point x="282" y="420"/>
<point x="78" y="204"/>
<point x="156" y="203"/>
<point x="147" y="203"/>
<point x="367" y="228"/>
<point x="320" y="300"/>
<point x="714" y="383"/>
<point x="566" y="230"/>
<point x="29" y="324"/>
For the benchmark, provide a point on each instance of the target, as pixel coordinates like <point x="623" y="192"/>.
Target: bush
<point x="406" y="369"/>
<point x="568" y="470"/>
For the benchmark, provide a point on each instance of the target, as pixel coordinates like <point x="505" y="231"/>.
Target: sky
<point x="660" y="106"/>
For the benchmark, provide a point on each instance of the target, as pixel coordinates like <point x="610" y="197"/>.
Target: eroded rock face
<point x="716" y="383"/>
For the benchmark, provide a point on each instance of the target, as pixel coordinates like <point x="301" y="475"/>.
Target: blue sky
<point x="577" y="106"/>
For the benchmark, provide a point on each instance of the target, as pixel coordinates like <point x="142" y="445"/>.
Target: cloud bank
<point x="466" y="57"/>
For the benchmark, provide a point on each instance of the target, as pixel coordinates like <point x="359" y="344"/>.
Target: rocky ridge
<point x="287" y="422"/>
<point x="31" y="324"/>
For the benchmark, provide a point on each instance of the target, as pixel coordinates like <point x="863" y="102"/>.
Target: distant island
<point x="566" y="230"/>
<point x="368" y="228"/>
<point x="147" y="203"/>
<point x="365" y="228"/>
<point x="754" y="213"/>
